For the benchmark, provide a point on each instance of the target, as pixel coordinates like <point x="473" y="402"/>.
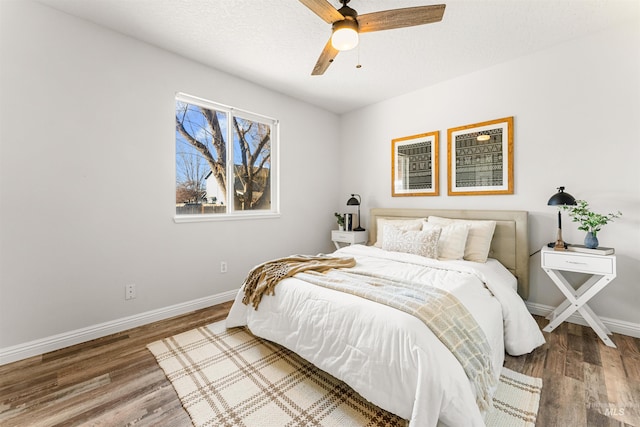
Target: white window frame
<point x="231" y="213"/>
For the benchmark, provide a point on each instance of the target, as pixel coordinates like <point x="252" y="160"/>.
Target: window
<point x="217" y="179"/>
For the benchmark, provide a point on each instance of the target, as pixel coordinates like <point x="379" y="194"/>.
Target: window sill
<point x="181" y="219"/>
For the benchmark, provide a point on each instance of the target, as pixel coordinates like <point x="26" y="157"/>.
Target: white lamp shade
<point x="344" y="38"/>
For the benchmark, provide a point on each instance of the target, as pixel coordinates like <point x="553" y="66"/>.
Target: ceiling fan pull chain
<point x="358" y="65"/>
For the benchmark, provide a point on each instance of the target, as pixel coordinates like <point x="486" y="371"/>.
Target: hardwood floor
<point x="584" y="382"/>
<point x="111" y="381"/>
<point x="115" y="381"/>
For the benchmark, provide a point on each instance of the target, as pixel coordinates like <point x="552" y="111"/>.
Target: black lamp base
<point x="359" y="229"/>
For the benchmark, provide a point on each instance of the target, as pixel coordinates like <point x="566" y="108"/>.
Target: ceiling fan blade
<point x="327" y="56"/>
<point x="324" y="10"/>
<point x="399" y="18"/>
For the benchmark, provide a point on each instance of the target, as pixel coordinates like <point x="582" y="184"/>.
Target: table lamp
<point x="560" y="199"/>
<point x="356" y="202"/>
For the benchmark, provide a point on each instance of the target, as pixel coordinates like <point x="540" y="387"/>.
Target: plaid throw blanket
<point x="447" y="318"/>
<point x="263" y="278"/>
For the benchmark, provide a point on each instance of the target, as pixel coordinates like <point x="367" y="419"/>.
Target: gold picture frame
<point x="414" y="165"/>
<point x="480" y="158"/>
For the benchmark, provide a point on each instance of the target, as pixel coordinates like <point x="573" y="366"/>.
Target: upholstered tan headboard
<point x="510" y="244"/>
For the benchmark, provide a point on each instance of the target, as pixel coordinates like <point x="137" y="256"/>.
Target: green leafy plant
<point x="339" y="218"/>
<point x="589" y="221"/>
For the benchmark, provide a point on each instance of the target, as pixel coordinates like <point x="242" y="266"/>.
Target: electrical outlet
<point x="223" y="266"/>
<point x="130" y="291"/>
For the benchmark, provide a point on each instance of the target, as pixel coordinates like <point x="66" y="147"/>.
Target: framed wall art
<point x="414" y="165"/>
<point x="480" y="158"/>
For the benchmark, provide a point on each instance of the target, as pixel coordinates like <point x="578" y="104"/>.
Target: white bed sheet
<point x="390" y="357"/>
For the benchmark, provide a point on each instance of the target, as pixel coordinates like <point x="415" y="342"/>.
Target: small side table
<point x="348" y="237"/>
<point x="602" y="269"/>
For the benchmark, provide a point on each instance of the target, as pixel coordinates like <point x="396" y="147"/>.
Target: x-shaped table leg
<point x="577" y="301"/>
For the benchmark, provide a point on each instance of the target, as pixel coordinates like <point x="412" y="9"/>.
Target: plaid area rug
<point x="229" y="377"/>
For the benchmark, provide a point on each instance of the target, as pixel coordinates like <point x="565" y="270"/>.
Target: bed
<point x="389" y="356"/>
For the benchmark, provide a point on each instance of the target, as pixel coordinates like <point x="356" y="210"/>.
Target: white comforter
<point x="390" y="357"/>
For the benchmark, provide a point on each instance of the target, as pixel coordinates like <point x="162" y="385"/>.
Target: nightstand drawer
<point x="342" y="236"/>
<point x="351" y="237"/>
<point x="581" y="263"/>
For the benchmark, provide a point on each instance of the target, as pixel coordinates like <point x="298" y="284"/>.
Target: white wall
<point x="87" y="184"/>
<point x="576" y="109"/>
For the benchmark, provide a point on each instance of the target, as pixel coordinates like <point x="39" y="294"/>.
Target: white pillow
<point x="479" y="239"/>
<point x="402" y="224"/>
<point x="423" y="243"/>
<point x="453" y="239"/>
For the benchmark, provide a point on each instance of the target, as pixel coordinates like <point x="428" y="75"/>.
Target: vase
<point x="590" y="241"/>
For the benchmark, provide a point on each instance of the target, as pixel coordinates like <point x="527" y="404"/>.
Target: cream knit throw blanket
<point x="263" y="278"/>
<point x="447" y="318"/>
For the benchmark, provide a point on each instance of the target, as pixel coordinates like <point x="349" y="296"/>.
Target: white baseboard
<point x="618" y="326"/>
<point x="56" y="342"/>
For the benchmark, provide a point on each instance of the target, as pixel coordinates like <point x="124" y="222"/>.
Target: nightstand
<point x="602" y="269"/>
<point x="348" y="237"/>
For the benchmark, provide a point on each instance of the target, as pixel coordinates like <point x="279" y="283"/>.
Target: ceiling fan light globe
<point x="344" y="39"/>
<point x="345" y="33"/>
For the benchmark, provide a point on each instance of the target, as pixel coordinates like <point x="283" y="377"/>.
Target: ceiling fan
<point x="347" y="25"/>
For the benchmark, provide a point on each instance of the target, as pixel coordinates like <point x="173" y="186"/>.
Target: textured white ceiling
<point x="276" y="43"/>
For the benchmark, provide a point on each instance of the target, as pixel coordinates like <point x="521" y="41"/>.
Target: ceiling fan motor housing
<point x="348" y="22"/>
<point x="347" y="12"/>
<point x="350" y="18"/>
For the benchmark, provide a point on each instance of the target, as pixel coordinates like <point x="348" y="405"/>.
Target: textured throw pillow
<point x="423" y="243"/>
<point x="479" y="239"/>
<point x="453" y="239"/>
<point x="402" y="224"/>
